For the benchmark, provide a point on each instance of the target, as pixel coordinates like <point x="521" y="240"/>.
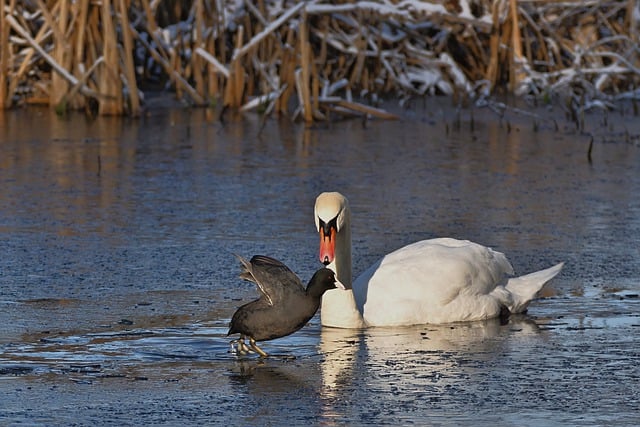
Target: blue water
<point x="117" y="275"/>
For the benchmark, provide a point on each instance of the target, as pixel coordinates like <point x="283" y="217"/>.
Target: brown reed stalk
<point x="214" y="79"/>
<point x="151" y="20"/>
<point x="287" y="72"/>
<point x="174" y="65"/>
<point x="69" y="60"/>
<point x="320" y="56"/>
<point x="108" y="82"/>
<point x="360" y="46"/>
<point x="237" y="87"/>
<point x="516" y="75"/>
<point x="235" y="84"/>
<point x="213" y="88"/>
<point x="129" y="68"/>
<point x="221" y="25"/>
<point x="80" y="35"/>
<point x="196" y="60"/>
<point x="315" y="89"/>
<point x="361" y="108"/>
<point x="59" y="85"/>
<point x="305" y="62"/>
<point x="494" y="46"/>
<point x="5" y="61"/>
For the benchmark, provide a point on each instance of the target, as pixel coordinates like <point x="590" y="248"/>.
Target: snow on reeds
<point x="314" y="59"/>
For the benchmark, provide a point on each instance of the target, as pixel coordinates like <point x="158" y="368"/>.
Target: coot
<point x="284" y="305"/>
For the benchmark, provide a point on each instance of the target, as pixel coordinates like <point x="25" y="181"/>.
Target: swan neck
<point x="339" y="308"/>
<point x="343" y="255"/>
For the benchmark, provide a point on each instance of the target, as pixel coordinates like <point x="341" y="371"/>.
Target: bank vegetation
<point x="312" y="60"/>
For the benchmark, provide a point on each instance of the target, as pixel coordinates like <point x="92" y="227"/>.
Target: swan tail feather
<point x="523" y="289"/>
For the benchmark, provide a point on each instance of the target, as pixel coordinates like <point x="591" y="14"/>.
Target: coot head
<point x="323" y="280"/>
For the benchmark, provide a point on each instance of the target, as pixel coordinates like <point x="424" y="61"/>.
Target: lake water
<point x="118" y="276"/>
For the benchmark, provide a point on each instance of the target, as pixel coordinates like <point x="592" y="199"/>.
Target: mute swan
<point x="432" y="281"/>
<point x="284" y="305"/>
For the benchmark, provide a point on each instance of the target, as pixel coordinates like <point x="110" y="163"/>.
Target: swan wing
<point x="432" y="281"/>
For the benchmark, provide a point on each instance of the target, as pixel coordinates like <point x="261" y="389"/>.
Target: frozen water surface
<point x="117" y="274"/>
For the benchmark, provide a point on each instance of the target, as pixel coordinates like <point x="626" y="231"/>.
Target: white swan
<point x="432" y="281"/>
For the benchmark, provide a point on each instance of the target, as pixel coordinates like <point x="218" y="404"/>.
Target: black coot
<point x="284" y="305"/>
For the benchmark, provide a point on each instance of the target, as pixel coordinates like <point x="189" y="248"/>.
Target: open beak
<point x="327" y="243"/>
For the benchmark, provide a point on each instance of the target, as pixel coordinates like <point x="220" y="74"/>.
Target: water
<point x="117" y="275"/>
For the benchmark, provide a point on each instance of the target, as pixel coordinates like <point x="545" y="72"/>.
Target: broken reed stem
<point x="82" y="81"/>
<point x="213" y="61"/>
<point x="57" y="67"/>
<point x="268" y="30"/>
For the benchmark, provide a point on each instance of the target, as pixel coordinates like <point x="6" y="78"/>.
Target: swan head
<point x="331" y="214"/>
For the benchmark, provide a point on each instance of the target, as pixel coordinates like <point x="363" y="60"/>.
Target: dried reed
<point x="311" y="59"/>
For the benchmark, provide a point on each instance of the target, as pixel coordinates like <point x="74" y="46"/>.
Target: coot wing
<point x="274" y="279"/>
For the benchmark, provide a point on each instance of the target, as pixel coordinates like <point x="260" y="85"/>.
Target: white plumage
<point x="431" y="281"/>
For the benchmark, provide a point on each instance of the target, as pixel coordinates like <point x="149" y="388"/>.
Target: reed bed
<point x="313" y="60"/>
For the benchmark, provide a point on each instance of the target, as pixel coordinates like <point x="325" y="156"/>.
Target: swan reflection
<point x="415" y="355"/>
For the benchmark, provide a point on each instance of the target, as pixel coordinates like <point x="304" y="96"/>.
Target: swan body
<point x="432" y="281"/>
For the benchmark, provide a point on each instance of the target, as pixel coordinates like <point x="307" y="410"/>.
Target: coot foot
<point x="255" y="347"/>
<point x="239" y="347"/>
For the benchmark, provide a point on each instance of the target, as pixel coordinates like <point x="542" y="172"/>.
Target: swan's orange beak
<point x="327" y="244"/>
